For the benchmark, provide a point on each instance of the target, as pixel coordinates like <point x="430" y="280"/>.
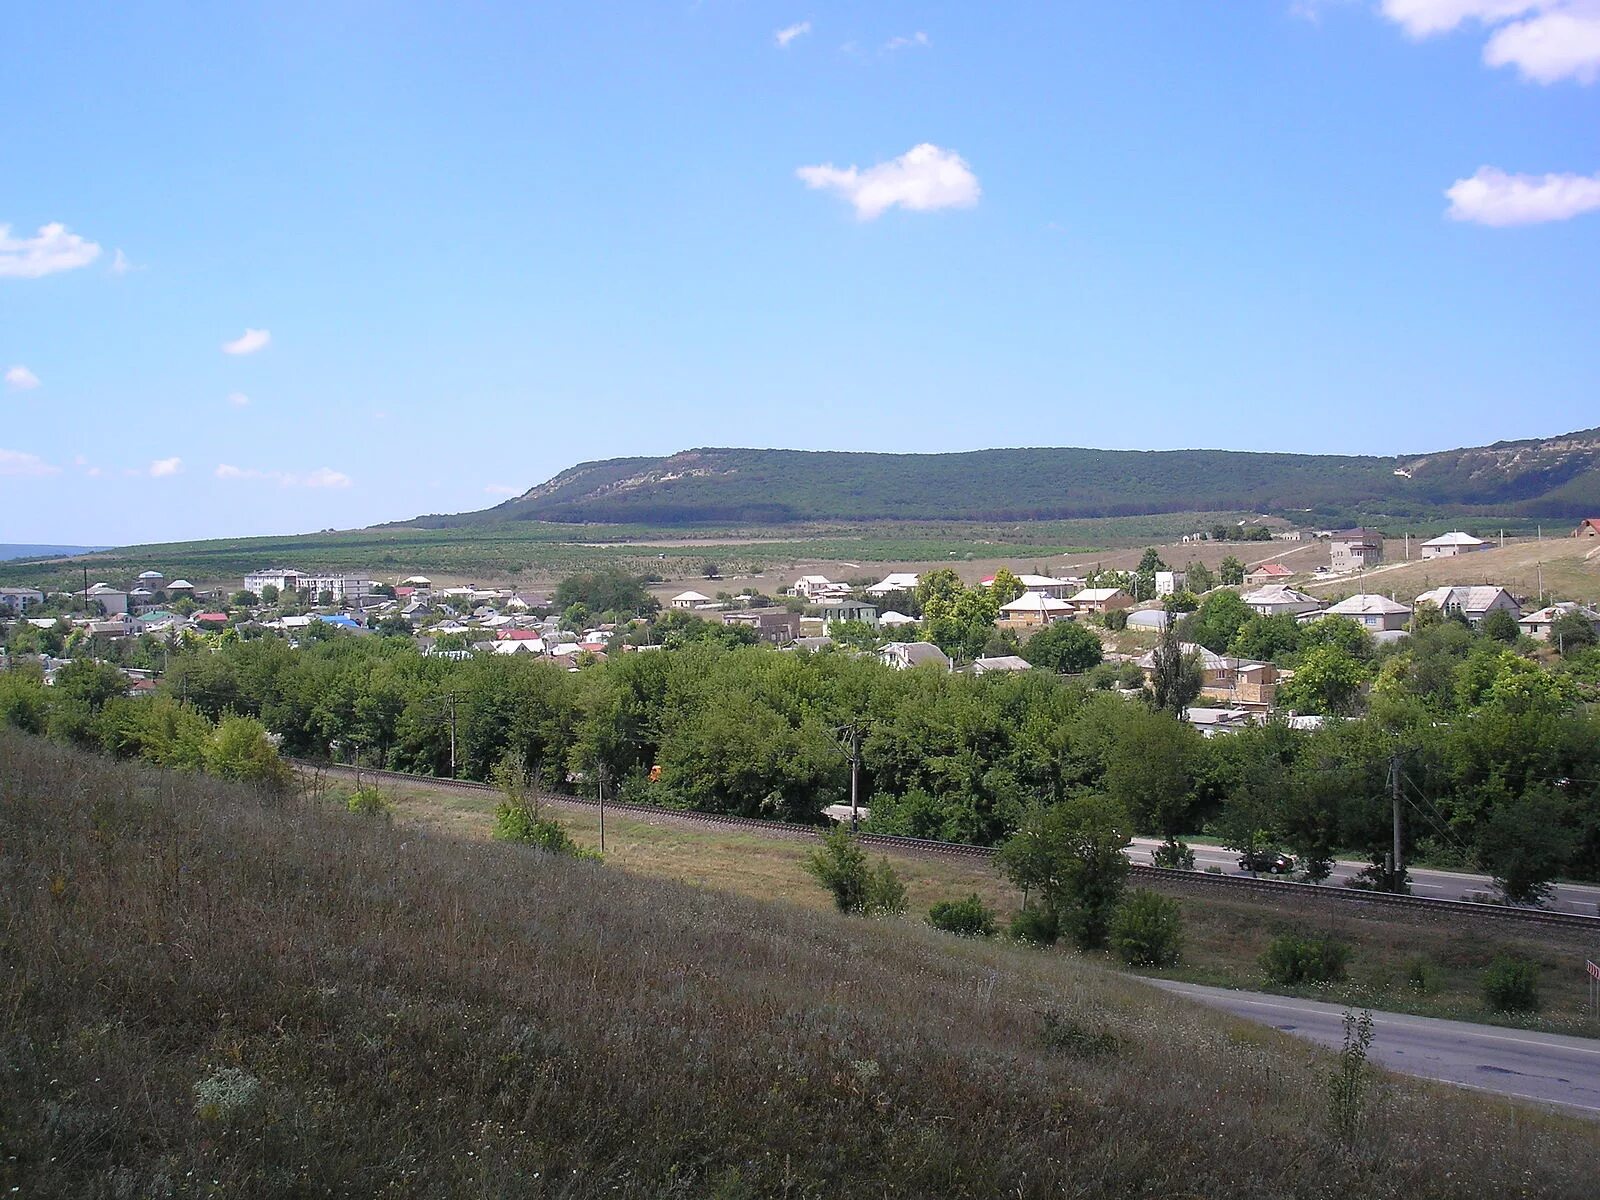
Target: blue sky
<point x="485" y="242"/>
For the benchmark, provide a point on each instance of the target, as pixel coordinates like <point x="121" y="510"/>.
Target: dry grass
<point x="1570" y="569"/>
<point x="1225" y="936"/>
<point x="427" y="1016"/>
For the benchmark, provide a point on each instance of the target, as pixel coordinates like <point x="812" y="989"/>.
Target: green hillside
<point x="1552" y="477"/>
<point x="211" y="992"/>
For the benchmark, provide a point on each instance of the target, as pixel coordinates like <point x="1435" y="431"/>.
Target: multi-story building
<point x="1354" y="549"/>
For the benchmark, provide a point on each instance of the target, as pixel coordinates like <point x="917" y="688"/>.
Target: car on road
<point x="1269" y="862"/>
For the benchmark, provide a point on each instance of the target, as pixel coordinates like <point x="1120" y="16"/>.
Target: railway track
<point x="1198" y="881"/>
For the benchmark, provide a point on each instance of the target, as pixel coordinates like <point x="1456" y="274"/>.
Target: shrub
<point x="1347" y="1085"/>
<point x="964" y="918"/>
<point x="840" y="865"/>
<point x="1147" y="930"/>
<point x="367" y="802"/>
<point x="524" y="825"/>
<point x="1174" y="855"/>
<point x="1420" y="976"/>
<point x="1063" y="1033"/>
<point x="1511" y="985"/>
<point x="1037" y="924"/>
<point x="1298" y="958"/>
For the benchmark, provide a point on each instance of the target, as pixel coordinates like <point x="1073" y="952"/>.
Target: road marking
<point x="1478" y="1087"/>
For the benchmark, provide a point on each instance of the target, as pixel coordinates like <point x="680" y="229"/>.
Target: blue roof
<point x="341" y="619"/>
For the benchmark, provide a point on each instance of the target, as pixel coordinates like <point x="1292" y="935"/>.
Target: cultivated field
<point x="213" y="993"/>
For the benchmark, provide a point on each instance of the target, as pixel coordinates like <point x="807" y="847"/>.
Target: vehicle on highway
<point x="1269" y="861"/>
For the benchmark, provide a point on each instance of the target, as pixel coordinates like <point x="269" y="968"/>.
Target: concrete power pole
<point x="1397" y="864"/>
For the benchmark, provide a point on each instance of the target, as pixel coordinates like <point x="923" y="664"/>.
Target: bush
<point x="840" y="865"/>
<point x="964" y="918"/>
<point x="1298" y="958"/>
<point x="1511" y="985"/>
<point x="1037" y="924"/>
<point x="1147" y="930"/>
<point x="1173" y="855"/>
<point x="526" y="826"/>
<point x="367" y="802"/>
<point x="226" y="1095"/>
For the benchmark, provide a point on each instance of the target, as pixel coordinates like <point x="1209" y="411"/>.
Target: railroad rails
<point x="1199" y="881"/>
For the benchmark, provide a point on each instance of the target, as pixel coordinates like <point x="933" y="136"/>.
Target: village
<point x="129" y="623"/>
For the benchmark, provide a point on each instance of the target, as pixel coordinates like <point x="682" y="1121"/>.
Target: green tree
<point x="240" y="749"/>
<point x="1266" y="638"/>
<point x="1177" y="676"/>
<point x="1231" y="571"/>
<point x="1220" y="616"/>
<point x="1526" y="842"/>
<point x="1006" y="587"/>
<point x="607" y="591"/>
<point x="1150" y="770"/>
<point x="1064" y="647"/>
<point x="1501" y="626"/>
<point x="960" y="625"/>
<point x="840" y="865"/>
<point x="269" y="593"/>
<point x="1200" y="578"/>
<point x="1070" y="857"/>
<point x="1328" y="680"/>
<point x="1571" y="632"/>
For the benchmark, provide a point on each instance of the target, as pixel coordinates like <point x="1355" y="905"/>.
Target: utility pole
<point x="602" y="772"/>
<point x="853" y="750"/>
<point x="1397" y="865"/>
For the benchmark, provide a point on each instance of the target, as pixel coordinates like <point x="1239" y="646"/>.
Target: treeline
<point x="1499" y="767"/>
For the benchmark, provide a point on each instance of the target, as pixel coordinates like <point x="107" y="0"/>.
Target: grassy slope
<point x="435" y="1017"/>
<point x="1225" y="936"/>
<point x="1571" y="571"/>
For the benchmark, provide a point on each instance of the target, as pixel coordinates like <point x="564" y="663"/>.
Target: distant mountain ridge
<point x="9" y="551"/>
<point x="1554" y="477"/>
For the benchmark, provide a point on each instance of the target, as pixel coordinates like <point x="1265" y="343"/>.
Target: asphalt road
<point x="1430" y="885"/>
<point x="1544" y="1067"/>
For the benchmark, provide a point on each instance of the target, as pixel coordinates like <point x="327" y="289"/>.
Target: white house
<point x="1277" y="599"/>
<point x="689" y="600"/>
<point x="904" y="655"/>
<point x="1537" y="624"/>
<point x="895" y="581"/>
<point x="1453" y="545"/>
<point x="1372" y="612"/>
<point x="1045" y="585"/>
<point x="894" y="620"/>
<point x="818" y="587"/>
<point x="285" y="580"/>
<point x="1170" y="582"/>
<point x="1473" y="603"/>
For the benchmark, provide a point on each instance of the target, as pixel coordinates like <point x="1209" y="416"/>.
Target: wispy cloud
<point x="788" y="33"/>
<point x="923" y="179"/>
<point x="1493" y="197"/>
<point x="54" y="248"/>
<point x="1545" y="40"/>
<point x="248" y="342"/>
<point x="164" y="468"/>
<point x="238" y="400"/>
<point x="501" y="489"/>
<point x="120" y="264"/>
<point x="322" y="477"/>
<point x="21" y="378"/>
<point x="917" y="40"/>
<point x="18" y="465"/>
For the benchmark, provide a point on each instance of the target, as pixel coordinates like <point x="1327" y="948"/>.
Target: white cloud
<point x="1492" y="197"/>
<point x="120" y="264"/>
<point x="1545" y="40"/>
<point x="922" y="179"/>
<point x="918" y="40"/>
<point x="164" y="467"/>
<point x="784" y="36"/>
<point x="1422" y="18"/>
<point x="500" y="489"/>
<point x="1549" y="47"/>
<point x="15" y="464"/>
<point x="238" y="400"/>
<point x="248" y="342"/>
<point x="50" y="250"/>
<point x="21" y="378"/>
<point x="322" y="477"/>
